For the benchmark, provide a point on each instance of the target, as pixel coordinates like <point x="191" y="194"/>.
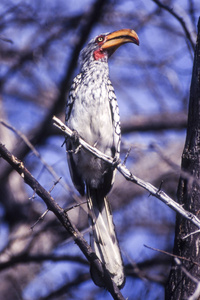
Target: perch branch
<point x="62" y="215"/>
<point x="158" y="193"/>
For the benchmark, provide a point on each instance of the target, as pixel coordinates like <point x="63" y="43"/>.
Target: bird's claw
<point x="116" y="161"/>
<point x="75" y="139"/>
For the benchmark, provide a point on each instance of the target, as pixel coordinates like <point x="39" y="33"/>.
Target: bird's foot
<point x="75" y="140"/>
<point x="77" y="149"/>
<point x="75" y="143"/>
<point x="75" y="137"/>
<point x="116" y="161"/>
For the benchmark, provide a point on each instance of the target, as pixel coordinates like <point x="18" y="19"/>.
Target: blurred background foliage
<point x="39" y="46"/>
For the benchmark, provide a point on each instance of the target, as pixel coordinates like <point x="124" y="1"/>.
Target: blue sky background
<point x="149" y="80"/>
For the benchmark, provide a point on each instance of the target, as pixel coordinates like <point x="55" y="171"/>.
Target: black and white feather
<point x="92" y="111"/>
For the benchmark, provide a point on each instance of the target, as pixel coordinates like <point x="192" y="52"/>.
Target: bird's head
<point x="104" y="45"/>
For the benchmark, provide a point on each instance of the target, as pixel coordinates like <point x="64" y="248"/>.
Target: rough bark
<point x="180" y="286"/>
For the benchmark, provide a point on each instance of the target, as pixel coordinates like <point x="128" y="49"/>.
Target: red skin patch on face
<point x="98" y="54"/>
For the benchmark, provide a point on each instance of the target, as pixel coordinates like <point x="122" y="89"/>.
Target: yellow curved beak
<point x="117" y="38"/>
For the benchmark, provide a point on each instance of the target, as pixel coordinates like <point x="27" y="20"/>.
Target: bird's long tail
<point x="103" y="238"/>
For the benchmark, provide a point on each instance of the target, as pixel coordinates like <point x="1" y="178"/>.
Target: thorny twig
<point x="130" y="177"/>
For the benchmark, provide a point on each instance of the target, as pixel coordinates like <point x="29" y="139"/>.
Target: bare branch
<point x="3" y="38"/>
<point x="41" y="218"/>
<point x="47" y="166"/>
<point x="66" y="286"/>
<point x="130" y="177"/>
<point x="24" y="258"/>
<point x="179" y="19"/>
<point x="62" y="216"/>
<point x="172" y="255"/>
<point x="179" y="263"/>
<point x="36" y="153"/>
<point x="161" y="121"/>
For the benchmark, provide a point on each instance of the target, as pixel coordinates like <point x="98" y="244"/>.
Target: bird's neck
<point x="96" y="66"/>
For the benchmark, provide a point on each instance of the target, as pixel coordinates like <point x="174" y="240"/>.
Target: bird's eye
<point x="100" y="39"/>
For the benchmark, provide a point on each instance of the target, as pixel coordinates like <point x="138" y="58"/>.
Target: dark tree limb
<point x="180" y="286"/>
<point x="25" y="258"/>
<point x="162" y="121"/>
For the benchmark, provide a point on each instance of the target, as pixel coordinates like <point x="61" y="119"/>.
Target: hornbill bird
<point x="92" y="112"/>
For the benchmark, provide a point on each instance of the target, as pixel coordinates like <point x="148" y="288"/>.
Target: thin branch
<point x="191" y="233"/>
<point x="129" y="176"/>
<point x="175" y="167"/>
<point x="62" y="216"/>
<point x="192" y="12"/>
<point x="144" y="123"/>
<point x="41" y="218"/>
<point x="36" y="153"/>
<point x="179" y="19"/>
<point x="3" y="38"/>
<point x="65" y="287"/>
<point x="179" y="263"/>
<point x="173" y="255"/>
<point x="46" y="166"/>
<point x="156" y="122"/>
<point x="196" y="293"/>
<point x="24" y="258"/>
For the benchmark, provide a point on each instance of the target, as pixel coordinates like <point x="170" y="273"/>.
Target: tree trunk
<point x="180" y="286"/>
